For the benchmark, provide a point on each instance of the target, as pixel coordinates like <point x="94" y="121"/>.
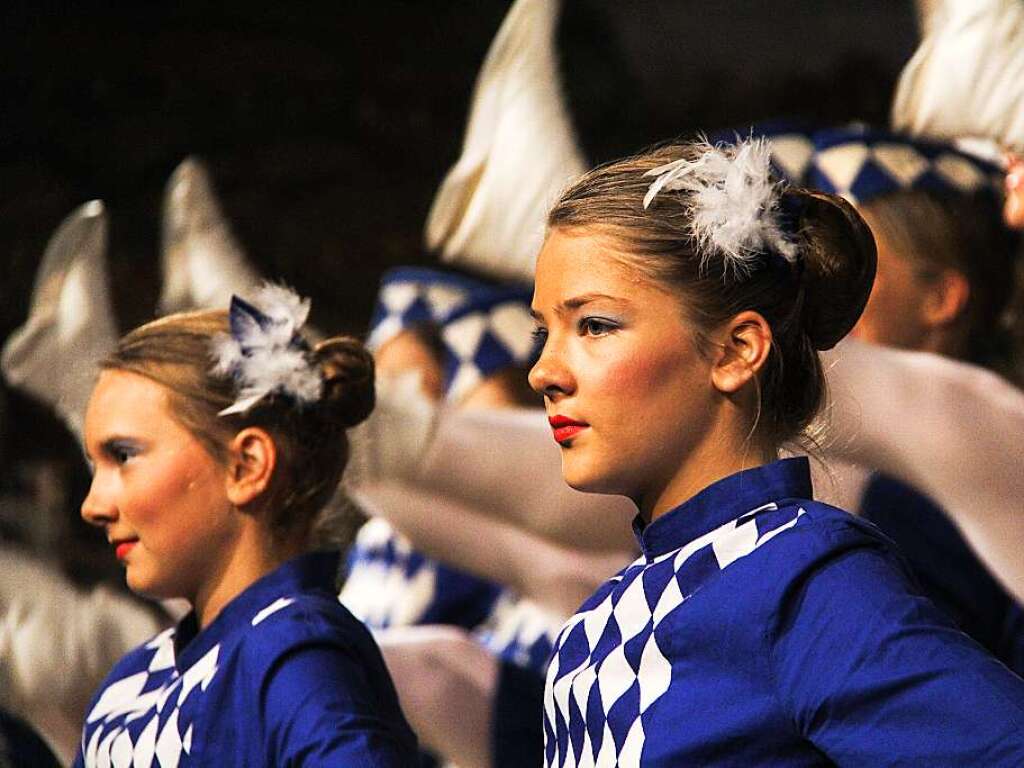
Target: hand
<point x="1013" y="209"/>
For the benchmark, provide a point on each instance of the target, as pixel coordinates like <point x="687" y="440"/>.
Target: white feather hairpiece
<point x="733" y="202"/>
<point x="265" y="352"/>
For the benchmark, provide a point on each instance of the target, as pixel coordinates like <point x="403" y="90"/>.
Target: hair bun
<point x="348" y="391"/>
<point x="839" y="266"/>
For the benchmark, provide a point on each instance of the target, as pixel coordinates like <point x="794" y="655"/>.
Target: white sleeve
<point x="446" y="683"/>
<point x="953" y="430"/>
<point x="58" y="643"/>
<point x="505" y="463"/>
<point x="557" y="577"/>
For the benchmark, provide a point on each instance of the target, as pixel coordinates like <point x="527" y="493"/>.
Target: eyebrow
<point x="578" y="301"/>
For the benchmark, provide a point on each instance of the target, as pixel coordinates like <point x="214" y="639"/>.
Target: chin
<point x="140" y="586"/>
<point x="584" y="476"/>
<point x="146" y="585"/>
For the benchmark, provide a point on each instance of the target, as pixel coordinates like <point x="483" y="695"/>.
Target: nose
<point x="550" y="376"/>
<point x="98" y="508"/>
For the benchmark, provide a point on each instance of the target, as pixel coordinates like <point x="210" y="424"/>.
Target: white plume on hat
<point x="71" y="325"/>
<point x="967" y="76"/>
<point x="519" y="152"/>
<point x="201" y="261"/>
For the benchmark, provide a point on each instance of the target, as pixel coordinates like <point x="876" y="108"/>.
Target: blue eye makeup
<point x="539" y="335"/>
<point x="120" y="451"/>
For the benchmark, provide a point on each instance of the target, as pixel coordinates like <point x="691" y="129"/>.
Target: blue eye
<point x="540" y="335"/>
<point x="596" y="326"/>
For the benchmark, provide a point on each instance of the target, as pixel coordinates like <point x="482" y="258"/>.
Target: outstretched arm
<point x="446" y="682"/>
<point x="951" y="429"/>
<point x="557" y="577"/>
<point x="505" y="463"/>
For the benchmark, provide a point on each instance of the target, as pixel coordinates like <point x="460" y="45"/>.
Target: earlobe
<point x="253" y="457"/>
<point x="746" y="342"/>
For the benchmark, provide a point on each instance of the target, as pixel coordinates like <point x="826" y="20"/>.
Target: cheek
<point x="175" y="493"/>
<point x="654" y="387"/>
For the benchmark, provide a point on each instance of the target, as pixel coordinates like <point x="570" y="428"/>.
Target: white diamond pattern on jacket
<point x="608" y="668"/>
<point x="146" y="719"/>
<point x="136" y="722"/>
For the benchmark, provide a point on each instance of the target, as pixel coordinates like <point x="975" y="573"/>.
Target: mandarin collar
<point x="722" y="501"/>
<point x="311" y="571"/>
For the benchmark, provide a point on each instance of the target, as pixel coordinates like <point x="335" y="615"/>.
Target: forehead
<point x="125" y="403"/>
<point x="577" y="262"/>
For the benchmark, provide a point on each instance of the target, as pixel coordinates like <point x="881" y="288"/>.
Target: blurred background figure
<point x="464" y="340"/>
<point x="58" y="639"/>
<point x="947" y="272"/>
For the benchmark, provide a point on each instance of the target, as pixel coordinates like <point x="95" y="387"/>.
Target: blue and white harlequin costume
<point x="284" y="675"/>
<point x="946" y="567"/>
<point x="865" y="166"/>
<point x="483" y="327"/>
<point x="759" y="627"/>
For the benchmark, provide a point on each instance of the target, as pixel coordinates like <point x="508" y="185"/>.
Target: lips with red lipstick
<point x="123" y="547"/>
<point x="566" y="429"/>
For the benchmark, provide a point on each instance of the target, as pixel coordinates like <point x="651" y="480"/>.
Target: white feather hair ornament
<point x="733" y="202"/>
<point x="265" y="352"/>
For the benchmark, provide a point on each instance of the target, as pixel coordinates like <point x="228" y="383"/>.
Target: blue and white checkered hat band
<point x="861" y="164"/>
<point x="410" y="296"/>
<point x="389" y="583"/>
<point x="484" y="327"/>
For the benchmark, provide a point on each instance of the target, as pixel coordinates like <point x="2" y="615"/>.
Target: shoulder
<point x="767" y="561"/>
<point x="303" y="619"/>
<point x="817" y="533"/>
<point x="321" y="685"/>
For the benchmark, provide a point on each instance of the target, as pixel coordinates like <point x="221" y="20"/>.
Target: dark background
<point x="327" y="126"/>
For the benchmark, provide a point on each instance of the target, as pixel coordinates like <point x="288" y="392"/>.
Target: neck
<point x="724" y="452"/>
<point x="950" y="341"/>
<point x="253" y="555"/>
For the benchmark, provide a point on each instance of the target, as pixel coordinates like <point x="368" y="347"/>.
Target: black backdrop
<point x="328" y="125"/>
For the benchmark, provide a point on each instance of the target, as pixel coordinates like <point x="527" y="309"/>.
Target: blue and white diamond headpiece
<point x="859" y="163"/>
<point x="484" y="327"/>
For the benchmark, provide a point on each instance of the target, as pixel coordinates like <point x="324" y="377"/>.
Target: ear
<point x="251" y="462"/>
<point x="946" y="298"/>
<point x="744" y="344"/>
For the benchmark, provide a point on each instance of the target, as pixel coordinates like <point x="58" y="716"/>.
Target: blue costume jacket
<point x="947" y="569"/>
<point x="761" y="628"/>
<point x="284" y="675"/>
<point x="388" y="583"/>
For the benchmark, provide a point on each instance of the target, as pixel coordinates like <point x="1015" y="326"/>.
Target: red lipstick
<point x="565" y="429"/>
<point x="124" y="547"/>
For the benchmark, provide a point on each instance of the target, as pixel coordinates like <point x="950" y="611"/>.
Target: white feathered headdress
<point x="71" y="325"/>
<point x="265" y="352"/>
<point x="518" y="154"/>
<point x="967" y="76"/>
<point x="202" y="263"/>
<point x="733" y="202"/>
